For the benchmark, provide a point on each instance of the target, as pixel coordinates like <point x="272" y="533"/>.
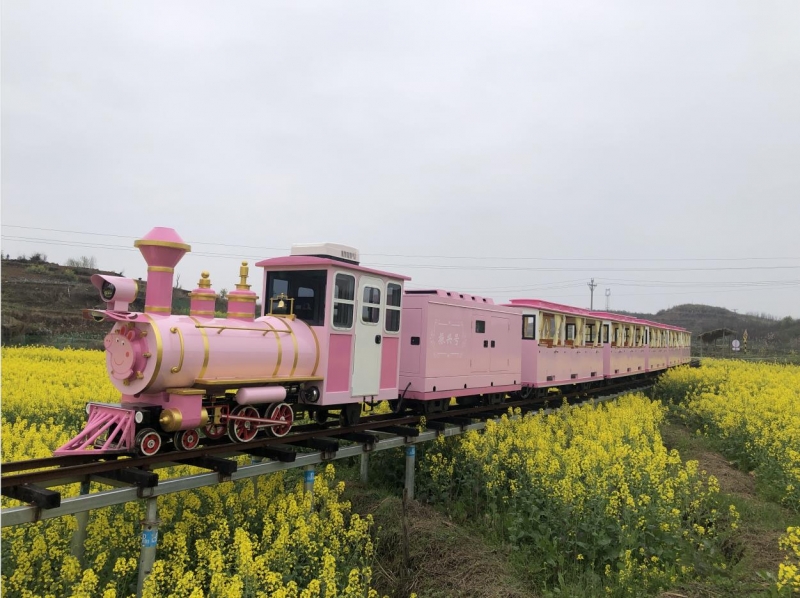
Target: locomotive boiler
<point x="186" y="376"/>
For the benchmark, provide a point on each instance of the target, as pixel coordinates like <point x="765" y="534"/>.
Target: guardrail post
<point x="149" y="542"/>
<point x="365" y="467"/>
<point x="411" y="453"/>
<point x="79" y="535"/>
<point x="308" y="481"/>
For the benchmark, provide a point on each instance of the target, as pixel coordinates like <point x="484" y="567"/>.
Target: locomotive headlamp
<point x="117" y="291"/>
<point x="107" y="291"/>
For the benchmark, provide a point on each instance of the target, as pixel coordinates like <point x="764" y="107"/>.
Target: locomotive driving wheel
<point x="187" y="440"/>
<point x="284" y="413"/>
<point x="147" y="442"/>
<point x="243" y="431"/>
<point x="214" y="431"/>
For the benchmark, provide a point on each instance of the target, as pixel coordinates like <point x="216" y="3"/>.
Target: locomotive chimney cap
<point x="162" y="237"/>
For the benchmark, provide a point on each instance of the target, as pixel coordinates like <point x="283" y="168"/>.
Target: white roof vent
<point x="331" y="250"/>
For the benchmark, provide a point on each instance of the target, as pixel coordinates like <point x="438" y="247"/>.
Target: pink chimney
<point x="162" y="249"/>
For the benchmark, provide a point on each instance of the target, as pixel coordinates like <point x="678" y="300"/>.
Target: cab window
<point x="393" y="293"/>
<point x="371" y="305"/>
<point x="344" y="294"/>
<point x="306" y="287"/>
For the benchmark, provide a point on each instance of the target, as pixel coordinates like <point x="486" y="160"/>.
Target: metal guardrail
<point x="87" y="502"/>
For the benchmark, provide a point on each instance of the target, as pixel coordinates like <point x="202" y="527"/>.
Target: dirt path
<point x="762" y="521"/>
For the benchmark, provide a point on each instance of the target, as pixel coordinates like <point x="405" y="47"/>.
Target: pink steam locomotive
<point x="329" y="338"/>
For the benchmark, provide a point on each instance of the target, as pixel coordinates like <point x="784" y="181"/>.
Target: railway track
<point x="29" y="481"/>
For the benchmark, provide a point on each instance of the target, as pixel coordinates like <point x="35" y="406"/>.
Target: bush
<point x="37" y="269"/>
<point x="82" y="262"/>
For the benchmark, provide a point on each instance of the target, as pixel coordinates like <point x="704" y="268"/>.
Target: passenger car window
<point x="529" y="327"/>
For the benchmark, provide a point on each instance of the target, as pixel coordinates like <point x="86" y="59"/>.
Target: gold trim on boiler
<point x="156" y="309"/>
<point x="240" y="299"/>
<point x="159" y="350"/>
<point x="182" y="392"/>
<point x="177" y="368"/>
<point x="205" y="347"/>
<point x="153" y="243"/>
<point x="236" y="382"/>
<point x="203" y="295"/>
<point x="160" y="269"/>
<point x="280" y="349"/>
<point x="199" y="312"/>
<point x="316" y="344"/>
<point x="221" y="328"/>
<point x="296" y="351"/>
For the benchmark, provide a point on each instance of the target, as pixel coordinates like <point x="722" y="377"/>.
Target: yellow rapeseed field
<point x="233" y="539"/>
<point x="589" y="485"/>
<point x="752" y="409"/>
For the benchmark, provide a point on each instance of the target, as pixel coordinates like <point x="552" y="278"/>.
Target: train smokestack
<point x="162" y="249"/>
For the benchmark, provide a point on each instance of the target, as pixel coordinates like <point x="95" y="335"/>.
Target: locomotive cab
<point x="354" y="313"/>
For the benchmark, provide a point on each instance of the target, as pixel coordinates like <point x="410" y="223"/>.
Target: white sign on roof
<point x="334" y="250"/>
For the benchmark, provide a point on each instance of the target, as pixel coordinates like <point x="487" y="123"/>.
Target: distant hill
<point x="42" y="303"/>
<point x="766" y="335"/>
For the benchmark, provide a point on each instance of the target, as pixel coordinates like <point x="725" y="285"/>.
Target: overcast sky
<point x="508" y="149"/>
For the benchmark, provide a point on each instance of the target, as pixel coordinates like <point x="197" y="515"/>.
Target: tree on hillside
<point x="82" y="262"/>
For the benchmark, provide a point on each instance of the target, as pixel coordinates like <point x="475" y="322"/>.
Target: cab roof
<point x="310" y="261"/>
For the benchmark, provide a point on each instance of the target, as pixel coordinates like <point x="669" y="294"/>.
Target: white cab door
<point x="369" y="337"/>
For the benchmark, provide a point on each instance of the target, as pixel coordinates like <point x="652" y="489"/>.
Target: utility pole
<point x="608" y="299"/>
<point x="591" y="286"/>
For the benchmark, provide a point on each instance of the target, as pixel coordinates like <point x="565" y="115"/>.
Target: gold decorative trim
<point x="280" y="350"/>
<point x="240" y="299"/>
<point x="183" y="392"/>
<point x="202" y="295"/>
<point x="205" y="347"/>
<point x="296" y="351"/>
<point x="156" y="309"/>
<point x="198" y="312"/>
<point x="177" y="368"/>
<point x="160" y="269"/>
<point x="316" y="344"/>
<point x="171" y="420"/>
<point x="236" y="382"/>
<point x="221" y="328"/>
<point x="159" y="351"/>
<point x="153" y="243"/>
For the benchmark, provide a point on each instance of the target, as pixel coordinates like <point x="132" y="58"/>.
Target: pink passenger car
<point x="624" y="345"/>
<point x="560" y="345"/>
<point x="456" y="345"/>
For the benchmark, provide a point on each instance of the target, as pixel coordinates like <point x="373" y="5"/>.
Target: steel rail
<point x="106" y="498"/>
<point x="73" y="469"/>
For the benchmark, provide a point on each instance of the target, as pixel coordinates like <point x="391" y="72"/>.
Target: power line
<point x="419" y="256"/>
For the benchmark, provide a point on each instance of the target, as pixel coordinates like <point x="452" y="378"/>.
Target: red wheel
<point x="284" y="413"/>
<point x="214" y="431"/>
<point x="187" y="440"/>
<point x="243" y="431"/>
<point x="147" y="442"/>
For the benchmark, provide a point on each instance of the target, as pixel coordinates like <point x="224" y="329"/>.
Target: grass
<point x="420" y="549"/>
<point x="754" y="549"/>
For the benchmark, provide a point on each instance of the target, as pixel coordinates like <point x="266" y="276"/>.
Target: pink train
<point x="328" y="339"/>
